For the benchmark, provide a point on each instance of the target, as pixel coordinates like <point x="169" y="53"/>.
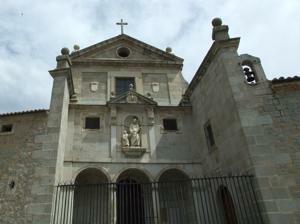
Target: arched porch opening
<point x="175" y="197"/>
<point x="91" y="197"/>
<point x="134" y="198"/>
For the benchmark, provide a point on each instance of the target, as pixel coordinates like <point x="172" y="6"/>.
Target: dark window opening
<point x="122" y="84"/>
<point x="92" y="123"/>
<point x="7" y="128"/>
<point x="170" y="124"/>
<point x="209" y="134"/>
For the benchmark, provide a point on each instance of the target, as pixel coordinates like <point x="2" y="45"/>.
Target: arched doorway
<point x="227" y="205"/>
<point x="91" y="197"/>
<point x="134" y="198"/>
<point x="175" y="197"/>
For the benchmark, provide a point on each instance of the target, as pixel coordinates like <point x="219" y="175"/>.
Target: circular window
<point x="123" y="52"/>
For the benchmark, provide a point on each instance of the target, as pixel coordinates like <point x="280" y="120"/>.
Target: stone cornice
<point x="64" y="72"/>
<point x="129" y="63"/>
<point x="214" y="49"/>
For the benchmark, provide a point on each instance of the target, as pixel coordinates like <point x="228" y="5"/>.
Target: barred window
<point x="92" y="123"/>
<point x="7" y="128"/>
<point x="170" y="124"/>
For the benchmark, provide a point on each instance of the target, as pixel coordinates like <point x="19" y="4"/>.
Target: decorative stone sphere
<point x="168" y="50"/>
<point x="216" y="22"/>
<point x="65" y="51"/>
<point x="76" y="47"/>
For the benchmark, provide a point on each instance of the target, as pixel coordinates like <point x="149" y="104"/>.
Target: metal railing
<point x="229" y="200"/>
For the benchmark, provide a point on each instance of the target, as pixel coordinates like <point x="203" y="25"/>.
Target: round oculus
<point x="123" y="52"/>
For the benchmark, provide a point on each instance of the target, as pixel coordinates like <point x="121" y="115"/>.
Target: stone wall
<point x="20" y="162"/>
<point x="170" y="81"/>
<point x="212" y="100"/>
<point x="274" y="142"/>
<point x="99" y="80"/>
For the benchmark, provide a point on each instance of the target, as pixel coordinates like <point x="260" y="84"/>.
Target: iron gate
<point x="228" y="200"/>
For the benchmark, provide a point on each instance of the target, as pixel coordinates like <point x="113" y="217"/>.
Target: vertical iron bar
<point x="55" y="204"/>
<point x="97" y="211"/>
<point x="214" y="210"/>
<point x="203" y="204"/>
<point x="236" y="199"/>
<point x="215" y="190"/>
<point x="144" y="201"/>
<point x="156" y="200"/>
<point x="62" y="206"/>
<point x="196" y="201"/>
<point x="90" y="206"/>
<point x="210" y="213"/>
<point x="243" y="195"/>
<point x="183" y="215"/>
<point x="166" y="197"/>
<point x="138" y="202"/>
<point x="238" y="213"/>
<point x="67" y="203"/>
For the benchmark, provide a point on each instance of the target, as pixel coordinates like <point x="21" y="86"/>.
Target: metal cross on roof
<point x="122" y="24"/>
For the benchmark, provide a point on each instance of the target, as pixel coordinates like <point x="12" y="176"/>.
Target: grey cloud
<point x="33" y="32"/>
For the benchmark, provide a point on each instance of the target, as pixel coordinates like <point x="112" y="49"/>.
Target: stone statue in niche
<point x="133" y="138"/>
<point x="125" y="139"/>
<point x="134" y="129"/>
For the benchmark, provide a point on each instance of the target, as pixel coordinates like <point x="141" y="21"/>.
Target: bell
<point x="250" y="78"/>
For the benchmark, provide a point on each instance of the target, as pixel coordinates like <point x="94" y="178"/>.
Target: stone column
<point x="52" y="154"/>
<point x="113" y="131"/>
<point x="151" y="128"/>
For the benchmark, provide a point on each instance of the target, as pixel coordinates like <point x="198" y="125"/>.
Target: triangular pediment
<point x="132" y="97"/>
<point x="109" y="51"/>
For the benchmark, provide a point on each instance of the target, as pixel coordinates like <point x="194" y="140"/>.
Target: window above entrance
<point x="122" y="84"/>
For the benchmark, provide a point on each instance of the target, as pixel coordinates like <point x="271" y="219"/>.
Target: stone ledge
<point x="134" y="151"/>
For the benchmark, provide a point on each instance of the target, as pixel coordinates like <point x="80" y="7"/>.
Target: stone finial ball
<point x="65" y="51"/>
<point x="168" y="50"/>
<point x="216" y="22"/>
<point x="76" y="47"/>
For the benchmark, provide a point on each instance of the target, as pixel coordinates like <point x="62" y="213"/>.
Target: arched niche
<point x="175" y="197"/>
<point x="227" y="205"/>
<point x="91" y="192"/>
<point x="128" y="119"/>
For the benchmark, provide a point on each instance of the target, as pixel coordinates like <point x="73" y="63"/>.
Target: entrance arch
<point x="134" y="198"/>
<point x="91" y="197"/>
<point x="175" y="197"/>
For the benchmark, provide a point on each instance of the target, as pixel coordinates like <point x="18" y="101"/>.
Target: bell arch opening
<point x="249" y="72"/>
<point x="134" y="198"/>
<point x="91" y="197"/>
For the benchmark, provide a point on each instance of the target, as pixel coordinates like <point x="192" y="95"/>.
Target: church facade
<point x="128" y="140"/>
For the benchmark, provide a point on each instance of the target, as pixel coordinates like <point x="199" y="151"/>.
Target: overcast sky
<point x="32" y="32"/>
